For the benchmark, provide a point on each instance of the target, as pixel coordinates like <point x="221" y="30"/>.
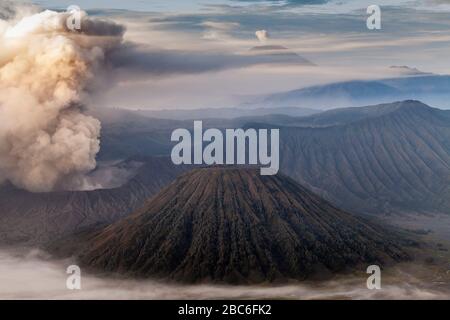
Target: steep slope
<point x="36" y="218"/>
<point x="232" y="225"/>
<point x="397" y="161"/>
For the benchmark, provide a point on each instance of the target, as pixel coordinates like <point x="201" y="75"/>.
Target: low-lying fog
<point x="32" y="274"/>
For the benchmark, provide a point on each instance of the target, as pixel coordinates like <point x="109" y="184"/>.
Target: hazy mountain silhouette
<point x="128" y="133"/>
<point x="344" y="116"/>
<point x="409" y="71"/>
<point x="281" y="54"/>
<point x="233" y="225"/>
<point x="432" y="89"/>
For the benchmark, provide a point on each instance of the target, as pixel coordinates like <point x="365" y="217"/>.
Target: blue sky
<point x="135" y="5"/>
<point x="194" y="5"/>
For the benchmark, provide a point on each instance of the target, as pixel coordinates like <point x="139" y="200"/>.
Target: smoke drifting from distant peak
<point x="262" y="36"/>
<point x="45" y="69"/>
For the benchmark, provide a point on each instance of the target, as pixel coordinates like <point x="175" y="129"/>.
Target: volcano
<point x="231" y="225"/>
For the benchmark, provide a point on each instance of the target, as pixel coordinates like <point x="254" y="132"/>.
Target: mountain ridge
<point x="432" y="89"/>
<point x="393" y="163"/>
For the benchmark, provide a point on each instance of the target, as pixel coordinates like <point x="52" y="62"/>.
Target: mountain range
<point x="429" y="88"/>
<point x="280" y="54"/>
<point x="117" y="115"/>
<point x="384" y="158"/>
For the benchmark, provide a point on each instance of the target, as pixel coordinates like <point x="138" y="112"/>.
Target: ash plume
<point x="46" y="140"/>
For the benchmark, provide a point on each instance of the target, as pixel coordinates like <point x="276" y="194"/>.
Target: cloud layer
<point x="48" y="278"/>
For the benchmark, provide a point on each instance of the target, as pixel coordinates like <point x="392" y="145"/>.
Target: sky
<point x="134" y="5"/>
<point x="200" y="51"/>
<point x="155" y="5"/>
<point x="334" y="6"/>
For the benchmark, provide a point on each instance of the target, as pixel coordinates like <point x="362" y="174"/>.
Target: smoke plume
<point x="46" y="141"/>
<point x="262" y="35"/>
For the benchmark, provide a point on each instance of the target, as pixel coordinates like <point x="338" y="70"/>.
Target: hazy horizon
<point x="199" y="49"/>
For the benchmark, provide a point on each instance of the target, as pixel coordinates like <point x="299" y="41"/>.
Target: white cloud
<point x="34" y="275"/>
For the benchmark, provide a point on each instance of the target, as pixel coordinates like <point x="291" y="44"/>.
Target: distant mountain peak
<point x="410" y="105"/>
<point x="396" y="105"/>
<point x="280" y="54"/>
<point x="409" y="71"/>
<point x="268" y="48"/>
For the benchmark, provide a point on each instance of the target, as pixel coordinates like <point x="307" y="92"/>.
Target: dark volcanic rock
<point x="235" y="226"/>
